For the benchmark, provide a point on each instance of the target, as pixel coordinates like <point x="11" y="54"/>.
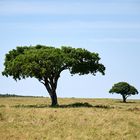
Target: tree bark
<point x="51" y="86"/>
<point x="54" y="99"/>
<point x="124" y="98"/>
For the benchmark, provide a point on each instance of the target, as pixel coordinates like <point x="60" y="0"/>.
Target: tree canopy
<point x="45" y="63"/>
<point x="124" y="89"/>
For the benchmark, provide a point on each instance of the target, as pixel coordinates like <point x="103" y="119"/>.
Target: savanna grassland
<point x="75" y="119"/>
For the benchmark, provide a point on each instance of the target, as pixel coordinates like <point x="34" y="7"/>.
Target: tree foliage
<point x="45" y="63"/>
<point x="124" y="89"/>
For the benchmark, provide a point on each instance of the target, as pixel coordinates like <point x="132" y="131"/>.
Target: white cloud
<point x="67" y="8"/>
<point x="76" y="27"/>
<point x="73" y="25"/>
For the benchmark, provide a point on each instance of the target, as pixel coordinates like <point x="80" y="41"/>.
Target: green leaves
<point x="45" y="61"/>
<point x="123" y="88"/>
<point x="81" y="61"/>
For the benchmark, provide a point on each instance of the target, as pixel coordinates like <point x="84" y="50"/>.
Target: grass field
<point x="76" y="119"/>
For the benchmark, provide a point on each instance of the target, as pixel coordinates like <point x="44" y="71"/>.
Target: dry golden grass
<point x="75" y="119"/>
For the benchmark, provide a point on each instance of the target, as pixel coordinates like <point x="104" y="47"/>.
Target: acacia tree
<point x="46" y="63"/>
<point x="124" y="89"/>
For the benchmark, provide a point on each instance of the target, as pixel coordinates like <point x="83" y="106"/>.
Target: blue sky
<point x="111" y="28"/>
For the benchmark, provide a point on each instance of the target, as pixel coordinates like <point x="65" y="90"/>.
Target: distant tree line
<point x="14" y="95"/>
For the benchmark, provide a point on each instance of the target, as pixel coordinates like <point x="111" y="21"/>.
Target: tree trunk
<point x="54" y="98"/>
<point x="51" y="85"/>
<point x="124" y="98"/>
<point x="52" y="92"/>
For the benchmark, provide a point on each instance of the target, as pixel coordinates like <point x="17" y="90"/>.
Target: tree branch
<point x="42" y="82"/>
<point x="128" y="96"/>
